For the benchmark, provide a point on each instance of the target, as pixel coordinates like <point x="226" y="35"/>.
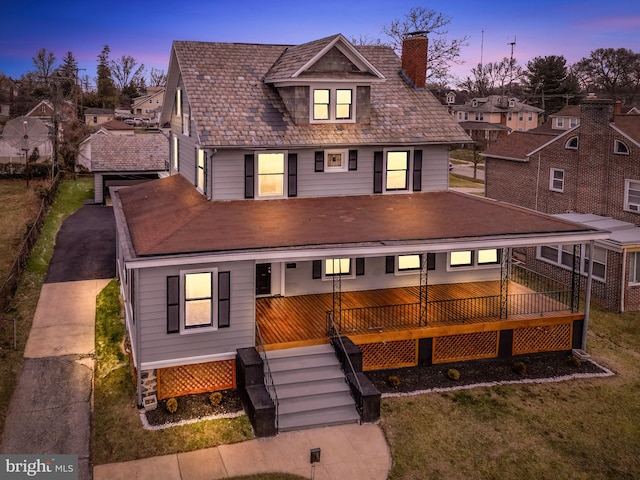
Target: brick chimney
<point x="414" y="58"/>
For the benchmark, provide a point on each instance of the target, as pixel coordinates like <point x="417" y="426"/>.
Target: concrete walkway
<point x="354" y="452"/>
<point x="50" y="411"/>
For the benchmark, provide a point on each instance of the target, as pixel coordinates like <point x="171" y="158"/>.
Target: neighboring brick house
<point x="488" y="118"/>
<point x="591" y="169"/>
<point x="308" y="208"/>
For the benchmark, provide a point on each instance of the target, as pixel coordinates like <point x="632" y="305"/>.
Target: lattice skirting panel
<point x="542" y="339"/>
<point x="395" y="354"/>
<point x="196" y="378"/>
<point x="468" y="346"/>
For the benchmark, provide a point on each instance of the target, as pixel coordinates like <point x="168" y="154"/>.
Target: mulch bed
<point x="425" y="378"/>
<point x="195" y="407"/>
<point x="411" y="379"/>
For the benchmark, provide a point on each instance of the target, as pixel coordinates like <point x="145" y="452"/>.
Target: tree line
<point x="117" y="82"/>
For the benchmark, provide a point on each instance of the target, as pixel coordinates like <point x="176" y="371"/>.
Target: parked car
<point x="130" y="121"/>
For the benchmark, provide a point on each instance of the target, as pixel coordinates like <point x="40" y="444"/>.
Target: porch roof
<point x="169" y="217"/>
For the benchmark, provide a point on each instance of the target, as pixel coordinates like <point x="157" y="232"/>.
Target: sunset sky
<point x="145" y="30"/>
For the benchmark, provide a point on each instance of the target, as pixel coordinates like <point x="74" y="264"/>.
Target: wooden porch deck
<point x="301" y="320"/>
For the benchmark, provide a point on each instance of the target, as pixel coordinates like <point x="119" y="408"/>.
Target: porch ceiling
<point x="169" y="217"/>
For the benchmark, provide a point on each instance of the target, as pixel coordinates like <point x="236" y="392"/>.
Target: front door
<point x="263" y="279"/>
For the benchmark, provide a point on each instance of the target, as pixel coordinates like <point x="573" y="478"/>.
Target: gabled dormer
<point x="325" y="81"/>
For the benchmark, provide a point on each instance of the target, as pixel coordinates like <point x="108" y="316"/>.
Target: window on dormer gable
<point x="332" y="105"/>
<point x="474" y="103"/>
<point x="512" y="103"/>
<point x="178" y="103"/>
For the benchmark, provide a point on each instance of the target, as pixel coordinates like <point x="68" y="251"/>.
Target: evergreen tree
<point x="106" y="90"/>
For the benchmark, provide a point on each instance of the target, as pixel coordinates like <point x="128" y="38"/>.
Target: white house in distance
<point x="307" y="208"/>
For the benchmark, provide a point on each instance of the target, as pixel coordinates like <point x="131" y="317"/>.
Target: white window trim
<point x="616" y="147"/>
<point x="201" y="188"/>
<point x="560" y="122"/>
<point x="184" y="330"/>
<point x="570" y="147"/>
<point x="552" y="178"/>
<point x="583" y="268"/>
<point x="175" y="152"/>
<point x="332" y="102"/>
<point x="345" y="161"/>
<point x="178" y="103"/>
<point x="409" y="187"/>
<point x="474" y="261"/>
<point x="632" y="268"/>
<point x="344" y="276"/>
<point x="628" y="206"/>
<point x="256" y="175"/>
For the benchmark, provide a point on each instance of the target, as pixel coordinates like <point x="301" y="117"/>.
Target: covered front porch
<point x="470" y="315"/>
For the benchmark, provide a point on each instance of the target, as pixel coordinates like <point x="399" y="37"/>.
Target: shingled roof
<point x="191" y="224"/>
<point x="233" y="106"/>
<point x="517" y="145"/>
<point x="129" y="153"/>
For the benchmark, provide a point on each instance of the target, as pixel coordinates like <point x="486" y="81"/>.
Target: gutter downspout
<point x="138" y="364"/>
<point x="537" y="183"/>
<point x="623" y="282"/>
<point x="587" y="300"/>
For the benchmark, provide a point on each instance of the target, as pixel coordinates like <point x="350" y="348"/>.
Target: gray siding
<point x="158" y="345"/>
<point x="186" y="144"/>
<point x="228" y="173"/>
<point x="299" y="281"/>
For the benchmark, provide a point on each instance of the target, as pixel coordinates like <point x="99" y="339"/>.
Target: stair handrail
<point x="268" y="378"/>
<point x="334" y="333"/>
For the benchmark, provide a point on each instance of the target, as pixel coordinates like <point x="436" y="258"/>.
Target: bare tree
<point x="157" y="78"/>
<point x="126" y="71"/>
<point x="44" y="62"/>
<point x="442" y="51"/>
<point x="612" y="71"/>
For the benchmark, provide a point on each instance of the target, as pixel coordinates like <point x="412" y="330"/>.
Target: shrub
<point x="575" y="361"/>
<point x="393" y="381"/>
<point x="171" y="405"/>
<point x="453" y="374"/>
<point x="520" y="368"/>
<point x="215" y="398"/>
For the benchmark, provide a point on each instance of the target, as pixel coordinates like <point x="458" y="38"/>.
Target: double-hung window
<point x="332" y="105"/>
<point x="201" y="170"/>
<point x="634" y="268"/>
<point x="198" y="301"/>
<point x="556" y="180"/>
<point x="397" y="169"/>
<point x="632" y="195"/>
<point x="270" y="174"/>
<point x="562" y="255"/>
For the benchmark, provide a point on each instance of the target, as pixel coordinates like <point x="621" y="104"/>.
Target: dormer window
<point x="332" y="105"/>
<point x="620" y="148"/>
<point x="474" y="103"/>
<point x="512" y="103"/>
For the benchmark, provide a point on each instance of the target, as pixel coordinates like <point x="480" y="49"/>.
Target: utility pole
<point x="513" y="44"/>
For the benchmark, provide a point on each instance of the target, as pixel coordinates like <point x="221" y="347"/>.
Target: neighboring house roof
<point x="496" y="103"/>
<point x="232" y="105"/>
<point x="517" y="145"/>
<point x="472" y="125"/>
<point x="185" y="225"/>
<point x="629" y="125"/>
<point x="148" y="152"/>
<point x="623" y="234"/>
<point x="117" y="125"/>
<point x="99" y="111"/>
<point x="568" y="111"/>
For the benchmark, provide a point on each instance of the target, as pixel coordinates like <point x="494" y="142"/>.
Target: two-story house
<point x="149" y="106"/>
<point x="488" y="118"/>
<point x="308" y="202"/>
<point x="589" y="173"/>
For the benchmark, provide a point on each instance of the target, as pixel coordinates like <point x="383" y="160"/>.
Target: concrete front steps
<point x="311" y="388"/>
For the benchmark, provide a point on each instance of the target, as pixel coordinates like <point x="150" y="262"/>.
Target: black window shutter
<point x="417" y="170"/>
<point x="224" y="299"/>
<point x="317" y="269"/>
<point x="173" y="304"/>
<point x="353" y="159"/>
<point x="378" y="170"/>
<point x="390" y="264"/>
<point x="292" y="175"/>
<point x="319" y="161"/>
<point x="431" y="261"/>
<point x="359" y="266"/>
<point x="248" y="176"/>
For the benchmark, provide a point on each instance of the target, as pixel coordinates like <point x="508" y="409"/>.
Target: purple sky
<point x="145" y="30"/>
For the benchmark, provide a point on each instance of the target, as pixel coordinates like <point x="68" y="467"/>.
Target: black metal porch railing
<point x="268" y="378"/>
<point x="548" y="296"/>
<point x="351" y="376"/>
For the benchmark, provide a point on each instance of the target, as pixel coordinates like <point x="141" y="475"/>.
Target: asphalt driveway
<point x="85" y="246"/>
